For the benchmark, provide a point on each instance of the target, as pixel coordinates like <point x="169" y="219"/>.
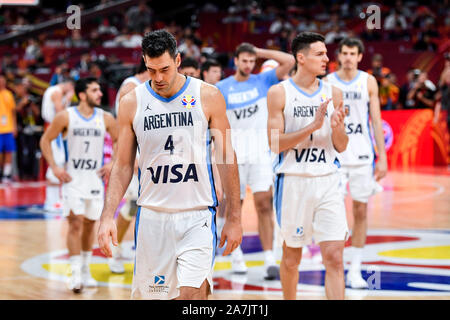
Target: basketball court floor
<point x="407" y="255"/>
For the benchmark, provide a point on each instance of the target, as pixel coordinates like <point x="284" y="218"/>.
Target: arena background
<point x="41" y="41"/>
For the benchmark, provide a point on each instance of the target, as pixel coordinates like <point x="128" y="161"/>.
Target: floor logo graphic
<point x="395" y="263"/>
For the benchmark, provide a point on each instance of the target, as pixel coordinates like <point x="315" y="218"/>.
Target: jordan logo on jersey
<point x="176" y="174"/>
<point x="310" y="155"/>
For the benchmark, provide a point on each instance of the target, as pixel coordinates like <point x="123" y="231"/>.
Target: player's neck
<point x="306" y="80"/>
<point x="240" y="77"/>
<point x="85" y="109"/>
<point x="347" y="74"/>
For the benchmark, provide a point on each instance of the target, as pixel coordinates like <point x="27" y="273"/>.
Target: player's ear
<point x="178" y="60"/>
<point x="360" y="57"/>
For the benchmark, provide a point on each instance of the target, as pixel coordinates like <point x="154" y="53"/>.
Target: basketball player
<point x="55" y="99"/>
<point x="170" y="119"/>
<point x="307" y="132"/>
<point x="245" y="95"/>
<point x="357" y="163"/>
<point x="84" y="126"/>
<point x="129" y="209"/>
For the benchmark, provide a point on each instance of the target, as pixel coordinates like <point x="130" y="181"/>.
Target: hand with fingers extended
<point x="320" y="114"/>
<point x="232" y="234"/>
<point x="338" y="116"/>
<point x="62" y="175"/>
<point x="107" y="230"/>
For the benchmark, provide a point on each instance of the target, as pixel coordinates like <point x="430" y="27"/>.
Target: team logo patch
<point x="323" y="97"/>
<point x="160" y="279"/>
<point x="188" y="101"/>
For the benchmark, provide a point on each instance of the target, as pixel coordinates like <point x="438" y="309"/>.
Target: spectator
<point x="422" y="94"/>
<point x="307" y="25"/>
<point x="394" y="19"/>
<point x="283" y="40"/>
<point x="29" y="128"/>
<point x="96" y="72"/>
<point x="211" y="71"/>
<point x="411" y="77"/>
<point x="83" y="65"/>
<point x="32" y="51"/>
<point x="377" y="70"/>
<point x="189" y="49"/>
<point x="279" y="24"/>
<point x="8" y="63"/>
<point x="443" y="95"/>
<point x="335" y="35"/>
<point x="189" y="67"/>
<point x="62" y="72"/>
<point x="398" y="33"/>
<point x="233" y="16"/>
<point x="425" y="43"/>
<point x="8" y="130"/>
<point x="334" y="20"/>
<point x="389" y="93"/>
<point x="76" y="40"/>
<point x="139" y="17"/>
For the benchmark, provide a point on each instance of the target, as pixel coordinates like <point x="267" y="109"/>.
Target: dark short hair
<point x="156" y="43"/>
<point x="208" y="64"/>
<point x="303" y="41"/>
<point x="189" y="62"/>
<point x="351" y="43"/>
<point x="82" y="84"/>
<point x="244" y="47"/>
<point x="141" y="67"/>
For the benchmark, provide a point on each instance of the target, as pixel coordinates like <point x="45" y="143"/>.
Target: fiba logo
<point x="373" y="15"/>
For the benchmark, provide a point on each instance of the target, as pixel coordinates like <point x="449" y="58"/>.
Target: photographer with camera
<point x="422" y="94"/>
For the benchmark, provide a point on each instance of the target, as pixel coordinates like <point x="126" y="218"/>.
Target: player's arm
<point x="57" y="99"/>
<point x="121" y="172"/>
<point x="338" y="134"/>
<point x="375" y="115"/>
<point x="57" y="126"/>
<point x="113" y="130"/>
<point x="286" y="61"/>
<point x="280" y="141"/>
<point x="215" y="110"/>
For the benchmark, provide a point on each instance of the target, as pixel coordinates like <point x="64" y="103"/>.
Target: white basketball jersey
<point x="315" y="156"/>
<point x="131" y="79"/>
<point x="85" y="139"/>
<point x="48" y="107"/>
<point x="356" y="99"/>
<point x="175" y="172"/>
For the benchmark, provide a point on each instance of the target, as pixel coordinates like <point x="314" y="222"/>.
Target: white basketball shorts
<point x="309" y="209"/>
<point x="361" y="182"/>
<point x="259" y="176"/>
<point x="173" y="250"/>
<point x="90" y="208"/>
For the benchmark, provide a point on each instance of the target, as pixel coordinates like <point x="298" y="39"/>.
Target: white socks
<point x="7" y="170"/>
<point x="75" y="263"/>
<point x="269" y="259"/>
<point x="356" y="254"/>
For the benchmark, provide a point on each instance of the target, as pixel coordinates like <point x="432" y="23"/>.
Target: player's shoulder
<point x="209" y="91"/>
<point x="224" y="83"/>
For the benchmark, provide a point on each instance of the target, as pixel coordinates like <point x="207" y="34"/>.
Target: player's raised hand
<point x="232" y="234"/>
<point x="320" y="114"/>
<point x="338" y="116"/>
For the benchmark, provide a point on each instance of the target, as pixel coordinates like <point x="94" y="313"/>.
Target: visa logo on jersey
<point x="84" y="164"/>
<point x="353" y="128"/>
<point x="310" y="155"/>
<point x="246" y="112"/>
<point x="177" y="174"/>
<point x="188" y="101"/>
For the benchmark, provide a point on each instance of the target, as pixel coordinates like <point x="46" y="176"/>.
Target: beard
<point x="92" y="103"/>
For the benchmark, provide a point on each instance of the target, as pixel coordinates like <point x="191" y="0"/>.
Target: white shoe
<point x="356" y="281"/>
<point x="86" y="278"/>
<point x="237" y="262"/>
<point x="75" y="283"/>
<point x="115" y="265"/>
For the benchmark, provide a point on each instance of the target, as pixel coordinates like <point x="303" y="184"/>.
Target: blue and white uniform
<point x="175" y="225"/>
<point x="357" y="161"/>
<point x="307" y="199"/>
<point x="246" y="103"/>
<point x="84" y="194"/>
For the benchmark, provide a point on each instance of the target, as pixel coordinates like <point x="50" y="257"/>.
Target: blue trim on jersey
<point x="139" y="181"/>
<point x="305" y="93"/>
<point x="82" y="117"/>
<point x="66" y="150"/>
<point x="370" y="138"/>
<point x="210" y="171"/>
<point x="347" y="83"/>
<point x="337" y="163"/>
<point x="136" y="228"/>
<point x="157" y="96"/>
<point x="278" y="196"/>
<point x="214" y="232"/>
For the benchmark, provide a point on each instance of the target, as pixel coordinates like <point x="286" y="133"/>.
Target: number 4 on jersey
<point x="169" y="144"/>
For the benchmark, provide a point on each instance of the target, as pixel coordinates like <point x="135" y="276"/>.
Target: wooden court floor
<point x="407" y="255"/>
